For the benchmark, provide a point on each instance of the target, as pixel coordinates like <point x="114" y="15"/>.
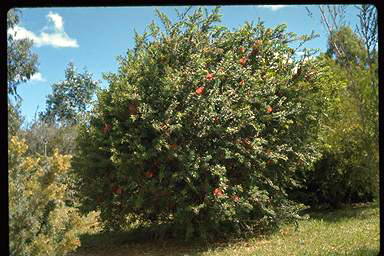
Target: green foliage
<point x="68" y="103"/>
<point x="21" y="62"/>
<point x="340" y="177"/>
<point x="40" y="222"/>
<point x="348" y="171"/>
<point x="203" y="129"/>
<point x="14" y="118"/>
<point x="349" y="44"/>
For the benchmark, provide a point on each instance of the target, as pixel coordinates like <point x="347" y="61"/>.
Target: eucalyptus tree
<point x="21" y="65"/>
<point x="70" y="98"/>
<point x="21" y="61"/>
<point x="67" y="106"/>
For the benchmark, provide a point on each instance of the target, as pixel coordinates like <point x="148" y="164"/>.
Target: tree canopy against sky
<point x="70" y="98"/>
<point x="21" y="62"/>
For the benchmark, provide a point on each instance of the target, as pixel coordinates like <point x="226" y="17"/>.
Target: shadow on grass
<point x="357" y="211"/>
<point x="141" y="242"/>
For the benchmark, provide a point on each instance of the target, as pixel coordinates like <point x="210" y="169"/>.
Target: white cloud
<point x="57" y="20"/>
<point x="55" y="35"/>
<point x="37" y="77"/>
<point x="273" y="7"/>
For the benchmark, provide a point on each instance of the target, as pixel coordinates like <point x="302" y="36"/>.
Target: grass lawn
<point x="350" y="231"/>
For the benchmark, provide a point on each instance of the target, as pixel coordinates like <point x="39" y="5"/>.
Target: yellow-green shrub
<point x="40" y="223"/>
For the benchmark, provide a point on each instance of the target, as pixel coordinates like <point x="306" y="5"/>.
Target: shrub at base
<point x="40" y="223"/>
<point x="214" y="161"/>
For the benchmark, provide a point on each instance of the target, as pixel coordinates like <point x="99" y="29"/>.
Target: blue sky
<point x="93" y="37"/>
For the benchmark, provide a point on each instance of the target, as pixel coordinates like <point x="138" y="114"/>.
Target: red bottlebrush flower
<point x="269" y="109"/>
<point x="242" y="82"/>
<point x="149" y="174"/>
<point x="236" y="198"/>
<point x="216" y="120"/>
<point x="218" y="192"/>
<point x="209" y="76"/>
<point x="119" y="191"/>
<point x="246" y="142"/>
<point x="243" y="60"/>
<point x="257" y="44"/>
<point x="132" y="109"/>
<point x="173" y="146"/>
<point x="200" y="90"/>
<point x="107" y="128"/>
<point x="256" y="48"/>
<point x="242" y="49"/>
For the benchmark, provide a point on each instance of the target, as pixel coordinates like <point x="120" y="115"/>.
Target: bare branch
<point x="330" y="30"/>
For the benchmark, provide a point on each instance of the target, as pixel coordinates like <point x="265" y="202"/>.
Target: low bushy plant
<point x="40" y="222"/>
<point x="203" y="129"/>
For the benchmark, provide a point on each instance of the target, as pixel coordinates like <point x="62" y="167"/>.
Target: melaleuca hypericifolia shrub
<point x="40" y="222"/>
<point x="203" y="128"/>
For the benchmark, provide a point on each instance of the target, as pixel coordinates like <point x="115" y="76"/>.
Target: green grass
<point x="349" y="231"/>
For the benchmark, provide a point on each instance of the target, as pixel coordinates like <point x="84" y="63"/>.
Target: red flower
<point x="236" y="198"/>
<point x="209" y="76"/>
<point x="173" y="146"/>
<point x="132" y="109"/>
<point x="117" y="190"/>
<point x="242" y="49"/>
<point x="107" y="128"/>
<point x="269" y="109"/>
<point x="269" y="162"/>
<point x="216" y="120"/>
<point x="243" y="60"/>
<point x="256" y="48"/>
<point x="246" y="142"/>
<point x="242" y="82"/>
<point x="218" y="192"/>
<point x="200" y="90"/>
<point x="149" y="174"/>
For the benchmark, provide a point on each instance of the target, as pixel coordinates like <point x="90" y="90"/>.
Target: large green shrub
<point x="40" y="222"/>
<point x="203" y="129"/>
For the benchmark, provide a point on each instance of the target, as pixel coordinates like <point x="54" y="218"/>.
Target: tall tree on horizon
<point x="70" y="98"/>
